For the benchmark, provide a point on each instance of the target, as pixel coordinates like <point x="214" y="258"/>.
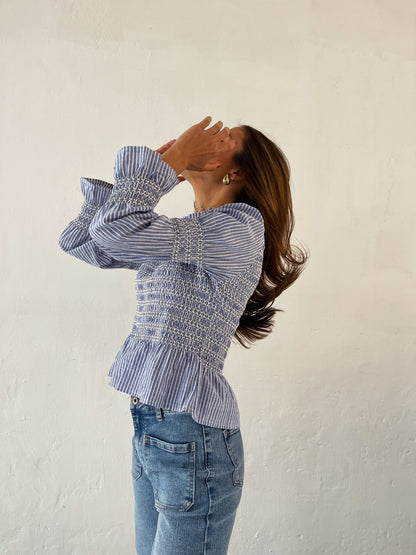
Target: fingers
<point x="224" y="132"/>
<point x="215" y="129"/>
<point x="206" y="121"/>
<point x="165" y="147"/>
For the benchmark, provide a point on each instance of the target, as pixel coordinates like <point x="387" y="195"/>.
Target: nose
<point x="233" y="140"/>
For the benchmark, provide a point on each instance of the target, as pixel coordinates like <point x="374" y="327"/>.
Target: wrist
<point x="175" y="160"/>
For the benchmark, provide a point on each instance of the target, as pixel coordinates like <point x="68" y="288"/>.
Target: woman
<point x="201" y="280"/>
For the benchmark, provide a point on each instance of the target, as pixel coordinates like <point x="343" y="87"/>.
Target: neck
<point x="209" y="193"/>
<point x="202" y="208"/>
<point x="206" y="202"/>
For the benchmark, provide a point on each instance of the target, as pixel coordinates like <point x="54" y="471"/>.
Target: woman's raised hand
<point x="197" y="149"/>
<point x="200" y="147"/>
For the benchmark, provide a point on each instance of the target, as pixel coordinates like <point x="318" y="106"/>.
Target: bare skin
<point x="203" y="157"/>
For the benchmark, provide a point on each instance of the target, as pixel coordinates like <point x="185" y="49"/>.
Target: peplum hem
<point x="163" y="376"/>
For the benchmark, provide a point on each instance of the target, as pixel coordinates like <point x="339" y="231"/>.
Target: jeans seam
<point x="208" y="489"/>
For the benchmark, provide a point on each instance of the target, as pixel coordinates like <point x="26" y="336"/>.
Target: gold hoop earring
<point x="226" y="179"/>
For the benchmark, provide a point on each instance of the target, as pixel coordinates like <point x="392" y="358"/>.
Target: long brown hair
<point x="266" y="186"/>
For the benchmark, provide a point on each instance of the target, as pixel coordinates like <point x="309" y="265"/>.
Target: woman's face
<point x="232" y="143"/>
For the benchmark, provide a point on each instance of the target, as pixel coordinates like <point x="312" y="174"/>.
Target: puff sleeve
<point x="75" y="238"/>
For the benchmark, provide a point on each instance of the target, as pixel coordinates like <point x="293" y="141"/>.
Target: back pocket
<point x="235" y="448"/>
<point x="171" y="470"/>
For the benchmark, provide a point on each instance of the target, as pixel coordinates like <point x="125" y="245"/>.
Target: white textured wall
<point x="328" y="400"/>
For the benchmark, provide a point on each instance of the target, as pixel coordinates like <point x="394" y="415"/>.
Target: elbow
<point x="103" y="230"/>
<point x="98" y="234"/>
<point x="102" y="235"/>
<point x="64" y="242"/>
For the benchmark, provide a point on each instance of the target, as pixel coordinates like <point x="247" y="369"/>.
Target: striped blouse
<point x="194" y="278"/>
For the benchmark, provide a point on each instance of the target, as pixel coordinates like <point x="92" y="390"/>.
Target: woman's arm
<point x="194" y="148"/>
<point x="75" y="238"/>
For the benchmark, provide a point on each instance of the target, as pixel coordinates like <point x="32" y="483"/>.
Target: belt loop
<point x="159" y="413"/>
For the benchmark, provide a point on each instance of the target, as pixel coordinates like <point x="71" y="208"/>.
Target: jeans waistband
<point x="135" y="403"/>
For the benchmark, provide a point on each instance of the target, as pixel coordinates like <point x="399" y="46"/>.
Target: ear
<point x="236" y="175"/>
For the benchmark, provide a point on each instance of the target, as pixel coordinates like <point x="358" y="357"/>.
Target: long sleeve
<point x="223" y="241"/>
<point x="75" y="238"/>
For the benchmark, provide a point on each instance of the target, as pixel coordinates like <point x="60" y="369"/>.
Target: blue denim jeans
<point x="187" y="481"/>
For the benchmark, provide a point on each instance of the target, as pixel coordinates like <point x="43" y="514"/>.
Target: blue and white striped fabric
<point x="194" y="277"/>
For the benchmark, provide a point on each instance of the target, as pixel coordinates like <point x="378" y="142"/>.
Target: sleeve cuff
<point x="141" y="176"/>
<point x="95" y="191"/>
<point x="134" y="160"/>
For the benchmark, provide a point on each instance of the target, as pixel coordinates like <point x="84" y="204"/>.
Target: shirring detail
<point x="136" y="191"/>
<point x="180" y="305"/>
<point x="87" y="213"/>
<point x="187" y="241"/>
